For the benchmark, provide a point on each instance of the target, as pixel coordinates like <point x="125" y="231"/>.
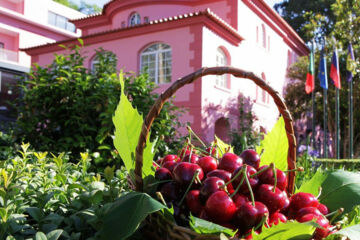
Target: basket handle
<point x="156" y="108"/>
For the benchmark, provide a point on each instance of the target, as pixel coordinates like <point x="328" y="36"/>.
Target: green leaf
<point x="352" y="233"/>
<point x="124" y="217"/>
<point x="54" y="235"/>
<point x="290" y="230"/>
<point x="341" y="189"/>
<point x="205" y="227"/>
<point x="275" y="145"/>
<point x="222" y="147"/>
<point x="313" y="185"/>
<point x="128" y="123"/>
<point x="36" y="213"/>
<point x="40" y="236"/>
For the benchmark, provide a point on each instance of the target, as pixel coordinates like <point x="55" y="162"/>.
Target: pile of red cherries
<point x="235" y="192"/>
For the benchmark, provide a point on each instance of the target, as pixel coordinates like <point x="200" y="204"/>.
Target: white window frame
<point x="93" y="62"/>
<point x="221" y="60"/>
<point x="156" y="52"/>
<point x="134" y="17"/>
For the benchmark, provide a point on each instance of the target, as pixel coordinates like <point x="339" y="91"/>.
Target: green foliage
<point x="68" y="108"/>
<point x="205" y="227"/>
<point x="127" y="213"/>
<point x="245" y="137"/>
<point x="128" y="124"/>
<point x="351" y="233"/>
<point x="288" y="230"/>
<point x="275" y="146"/>
<point x="47" y="197"/>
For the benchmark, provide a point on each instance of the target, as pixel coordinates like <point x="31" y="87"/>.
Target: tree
<point x="68" y="3"/>
<point x="343" y="19"/>
<point x="83" y="7"/>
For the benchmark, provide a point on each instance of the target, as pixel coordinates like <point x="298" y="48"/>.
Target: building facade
<point x="171" y="39"/>
<point x="26" y="23"/>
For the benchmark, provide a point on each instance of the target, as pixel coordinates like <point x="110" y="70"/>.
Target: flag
<point x="323" y="71"/>
<point x="334" y="70"/>
<point x="350" y="64"/>
<point x="310" y="81"/>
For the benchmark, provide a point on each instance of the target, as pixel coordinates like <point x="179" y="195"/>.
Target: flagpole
<point x="313" y="102"/>
<point x="325" y="124"/>
<point x="337" y="118"/>
<point x="351" y="119"/>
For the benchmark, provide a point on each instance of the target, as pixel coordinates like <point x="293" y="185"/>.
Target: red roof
<point x="207" y="13"/>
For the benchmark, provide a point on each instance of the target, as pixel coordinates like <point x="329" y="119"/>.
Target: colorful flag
<point x="323" y="71"/>
<point x="310" y="81"/>
<point x="334" y="70"/>
<point x="350" y="63"/>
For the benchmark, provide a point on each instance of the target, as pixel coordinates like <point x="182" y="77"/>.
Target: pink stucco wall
<point x="9" y="41"/>
<point x="17" y="7"/>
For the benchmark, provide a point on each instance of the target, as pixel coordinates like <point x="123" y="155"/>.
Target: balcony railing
<point x="8" y="55"/>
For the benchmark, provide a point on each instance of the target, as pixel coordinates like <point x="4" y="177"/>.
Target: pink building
<point x="174" y="38"/>
<point x="26" y="23"/>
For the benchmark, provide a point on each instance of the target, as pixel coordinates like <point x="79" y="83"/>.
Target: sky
<point x="100" y="3"/>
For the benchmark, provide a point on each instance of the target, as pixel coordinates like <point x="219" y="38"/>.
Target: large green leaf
<point x="352" y="233"/>
<point x="313" y="185"/>
<point x="290" y="230"/>
<point x="127" y="213"/>
<point x="205" y="227"/>
<point x="128" y="123"/>
<point x="275" y="145"/>
<point x="341" y="189"/>
<point x="54" y="235"/>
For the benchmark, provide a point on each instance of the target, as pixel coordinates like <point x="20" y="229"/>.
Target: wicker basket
<point x="157" y="227"/>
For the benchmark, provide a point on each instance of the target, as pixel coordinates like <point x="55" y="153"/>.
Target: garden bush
<point x="43" y="196"/>
<point x="68" y="108"/>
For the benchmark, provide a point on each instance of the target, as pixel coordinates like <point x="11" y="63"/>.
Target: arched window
<point x="157" y="60"/>
<point x="93" y="63"/>
<point x="263" y="35"/>
<point x="221" y="60"/>
<point x="134" y="19"/>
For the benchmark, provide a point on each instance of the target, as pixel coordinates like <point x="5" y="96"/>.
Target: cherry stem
<point x="262" y="152"/>
<point x="319" y="194"/>
<point x="240" y="183"/>
<point x="235" y="177"/>
<point x="159" y="182"/>
<point x="160" y="196"/>
<point x="196" y="174"/>
<point x="197" y="137"/>
<point x="185" y="148"/>
<point x="202" y="151"/>
<point x="249" y="186"/>
<point x="275" y="177"/>
<point x="299" y="169"/>
<point x="263" y="220"/>
<point x="156" y="164"/>
<point x="335" y="214"/>
<point x="262" y="170"/>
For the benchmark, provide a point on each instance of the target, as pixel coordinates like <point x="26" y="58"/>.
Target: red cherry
<point x="319" y="233"/>
<point x="171" y="191"/>
<point x="267" y="177"/>
<point x="170" y="165"/>
<point x="184" y="172"/>
<point x="209" y="186"/>
<point x="253" y="181"/>
<point x="224" y="175"/>
<point x="307" y="210"/>
<point x="230" y="162"/>
<point x="213" y="151"/>
<point x="170" y="158"/>
<point x="251" y="158"/>
<point x="207" y="164"/>
<point x="194" y="158"/>
<point x="193" y="202"/>
<point x="220" y="207"/>
<point x="302" y="200"/>
<point x="163" y="174"/>
<point x="249" y="216"/>
<point x="276" y="217"/>
<point x="275" y="201"/>
<point x="240" y="200"/>
<point x="323" y="209"/>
